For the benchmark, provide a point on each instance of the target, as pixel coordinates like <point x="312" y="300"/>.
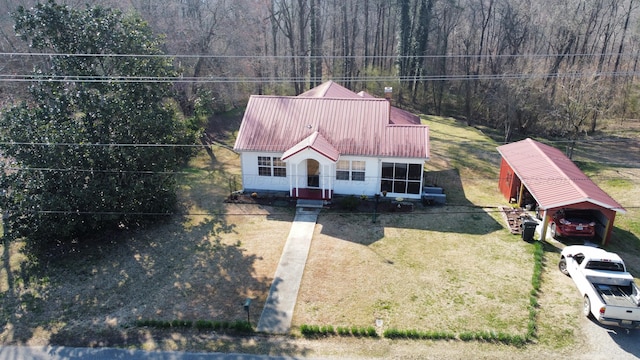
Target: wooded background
<point x="545" y="66"/>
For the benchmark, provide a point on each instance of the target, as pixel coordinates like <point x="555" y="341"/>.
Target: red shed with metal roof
<point x="541" y="175"/>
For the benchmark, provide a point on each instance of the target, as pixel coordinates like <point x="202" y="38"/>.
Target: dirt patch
<point x="352" y="204"/>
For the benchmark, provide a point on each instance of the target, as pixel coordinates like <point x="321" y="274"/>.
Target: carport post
<point x="545" y="224"/>
<point x="605" y="235"/>
<point x="520" y="194"/>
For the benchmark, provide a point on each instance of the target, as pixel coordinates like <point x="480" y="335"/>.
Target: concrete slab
<point x="305" y="203"/>
<point x="283" y="294"/>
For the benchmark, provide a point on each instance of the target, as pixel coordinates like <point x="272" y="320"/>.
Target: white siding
<point x="370" y="185"/>
<point x="252" y="181"/>
<point x="373" y="172"/>
<point x="297" y="172"/>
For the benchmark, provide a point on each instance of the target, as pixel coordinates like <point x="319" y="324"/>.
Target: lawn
<point x="452" y="268"/>
<point x="448" y="268"/>
<point x="416" y="271"/>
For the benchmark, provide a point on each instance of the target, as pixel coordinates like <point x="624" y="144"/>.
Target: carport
<point x="538" y="175"/>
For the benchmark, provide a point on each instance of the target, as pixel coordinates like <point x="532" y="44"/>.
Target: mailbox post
<point x="375" y="210"/>
<point x="247" y="304"/>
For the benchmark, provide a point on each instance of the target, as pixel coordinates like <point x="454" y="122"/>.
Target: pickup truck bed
<point x="617" y="295"/>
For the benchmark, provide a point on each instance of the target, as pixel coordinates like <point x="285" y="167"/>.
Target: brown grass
<point x="414" y="273"/>
<point x="451" y="268"/>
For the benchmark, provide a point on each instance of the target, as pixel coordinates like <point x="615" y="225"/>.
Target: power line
<point x="302" y="79"/>
<point x="98" y="171"/>
<point x="478" y="210"/>
<point x="142" y="145"/>
<point x="155" y="145"/>
<point x="150" y="172"/>
<point x="285" y="57"/>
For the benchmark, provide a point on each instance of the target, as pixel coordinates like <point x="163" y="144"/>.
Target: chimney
<point x="388" y="93"/>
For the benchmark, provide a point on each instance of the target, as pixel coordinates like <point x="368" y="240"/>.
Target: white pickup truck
<point x="610" y="294"/>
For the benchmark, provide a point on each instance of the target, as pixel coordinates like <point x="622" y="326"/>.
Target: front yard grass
<point x="448" y="269"/>
<point x="411" y="273"/>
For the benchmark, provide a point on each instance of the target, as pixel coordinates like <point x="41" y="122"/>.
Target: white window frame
<point x="351" y="170"/>
<point x="271" y="166"/>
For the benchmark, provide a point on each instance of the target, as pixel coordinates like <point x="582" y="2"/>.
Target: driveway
<point x="609" y="342"/>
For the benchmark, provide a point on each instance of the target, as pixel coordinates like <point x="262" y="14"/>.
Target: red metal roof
<point x="365" y="94"/>
<point x="552" y="178"/>
<point x="316" y="142"/>
<point x="330" y="89"/>
<point x="353" y="126"/>
<point x="403" y="117"/>
<point x="396" y="115"/>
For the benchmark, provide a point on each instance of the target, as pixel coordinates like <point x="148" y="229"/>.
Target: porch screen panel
<point x="386" y="183"/>
<point x="401" y="178"/>
<point x="413" y="178"/>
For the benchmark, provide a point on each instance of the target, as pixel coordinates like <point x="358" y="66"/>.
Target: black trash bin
<point x="528" y="230"/>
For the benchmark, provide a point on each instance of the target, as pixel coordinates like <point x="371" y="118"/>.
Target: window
<point x="342" y="170"/>
<point x="604" y="265"/>
<point x="271" y="166"/>
<point x="350" y="170"/>
<point x="401" y="178"/>
<point x="357" y="170"/>
<point x="264" y="166"/>
<point x="279" y="168"/>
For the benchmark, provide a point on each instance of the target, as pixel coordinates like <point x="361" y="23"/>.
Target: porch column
<point x="291" y="176"/>
<point x="331" y="175"/>
<point x="325" y="179"/>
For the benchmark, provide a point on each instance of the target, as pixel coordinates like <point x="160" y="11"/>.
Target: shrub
<point x="466" y="336"/>
<point x="309" y="330"/>
<point x="371" y="332"/>
<point x="349" y="203"/>
<point x="181" y="323"/>
<point x="241" y="326"/>
<point x="327" y="330"/>
<point x="305" y="330"/>
<point x="355" y="331"/>
<point x="531" y="329"/>
<point x="393" y="334"/>
<point x="204" y="324"/>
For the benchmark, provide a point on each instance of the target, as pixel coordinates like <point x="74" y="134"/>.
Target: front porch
<point x="312" y="193"/>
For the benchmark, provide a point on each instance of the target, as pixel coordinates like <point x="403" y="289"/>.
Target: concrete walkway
<point x="283" y="294"/>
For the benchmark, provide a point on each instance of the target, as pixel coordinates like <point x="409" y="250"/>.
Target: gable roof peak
<point x="315" y="142"/>
<point x="330" y="89"/>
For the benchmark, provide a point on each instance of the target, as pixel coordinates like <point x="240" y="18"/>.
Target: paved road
<point x="64" y="353"/>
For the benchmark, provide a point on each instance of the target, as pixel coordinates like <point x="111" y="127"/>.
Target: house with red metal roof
<point x="532" y="172"/>
<point x="330" y="140"/>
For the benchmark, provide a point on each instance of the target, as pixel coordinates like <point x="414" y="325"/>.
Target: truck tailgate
<point x="624" y="313"/>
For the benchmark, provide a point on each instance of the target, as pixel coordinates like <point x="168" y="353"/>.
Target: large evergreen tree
<point x="94" y="147"/>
